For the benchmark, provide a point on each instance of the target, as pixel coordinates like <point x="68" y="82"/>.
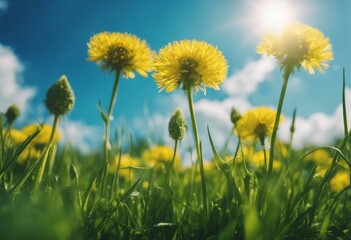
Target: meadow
<point x="262" y="188"/>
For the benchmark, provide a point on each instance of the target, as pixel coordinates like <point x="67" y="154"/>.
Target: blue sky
<point x="40" y="40"/>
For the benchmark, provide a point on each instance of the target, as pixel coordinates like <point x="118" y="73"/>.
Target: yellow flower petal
<point x="298" y="45"/>
<point x="257" y="123"/>
<point x="189" y="64"/>
<point x="122" y="52"/>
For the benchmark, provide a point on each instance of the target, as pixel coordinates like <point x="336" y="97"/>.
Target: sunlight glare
<point x="274" y="15"/>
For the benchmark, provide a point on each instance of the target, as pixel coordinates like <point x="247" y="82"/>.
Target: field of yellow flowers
<point x="249" y="192"/>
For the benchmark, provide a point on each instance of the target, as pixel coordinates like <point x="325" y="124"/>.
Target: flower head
<point x="44" y="135"/>
<point x="127" y="161"/>
<point x="257" y="123"/>
<point x="234" y="116"/>
<point x="340" y="181"/>
<point x="257" y="161"/>
<point x="12" y="113"/>
<point x="60" y="98"/>
<point x="189" y="64"/>
<point x="28" y="153"/>
<point x="298" y="45"/>
<point x="122" y="52"/>
<point x="17" y="136"/>
<point x="319" y="156"/>
<point x="177" y="126"/>
<point x="34" y="148"/>
<point x="160" y="156"/>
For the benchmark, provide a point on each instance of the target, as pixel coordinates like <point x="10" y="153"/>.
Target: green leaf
<point x="18" y="152"/>
<point x="130" y="190"/>
<point x="344" y="112"/>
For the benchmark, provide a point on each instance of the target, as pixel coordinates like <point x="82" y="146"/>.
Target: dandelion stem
<point x="172" y="163"/>
<point x="45" y="158"/>
<point x="264" y="157"/>
<point x="286" y="76"/>
<point x="109" y="116"/>
<point x="226" y="143"/>
<point x="198" y="151"/>
<point x="107" y="119"/>
<point x="292" y="131"/>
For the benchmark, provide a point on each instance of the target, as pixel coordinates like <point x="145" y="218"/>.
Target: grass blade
<point x="18" y="152"/>
<point x="344" y="112"/>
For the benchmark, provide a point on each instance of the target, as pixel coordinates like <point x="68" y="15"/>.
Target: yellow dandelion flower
<point x="318" y="156"/>
<point x="323" y="164"/>
<point x="257" y="161"/>
<point x="344" y="164"/>
<point x="17" y="136"/>
<point x="122" y="52"/>
<point x="298" y="45"/>
<point x="127" y="161"/>
<point x="160" y="156"/>
<point x="257" y="123"/>
<point x="145" y="185"/>
<point x="43" y="137"/>
<point x="208" y="166"/>
<point x="283" y="150"/>
<point x="228" y="159"/>
<point x="189" y="64"/>
<point x="339" y="181"/>
<point x="321" y="171"/>
<point x="28" y="153"/>
<point x="244" y="153"/>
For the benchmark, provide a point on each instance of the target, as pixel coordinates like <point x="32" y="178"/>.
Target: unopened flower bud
<point x="177" y="126"/>
<point x="60" y="98"/>
<point x="12" y="113"/>
<point x="234" y="116"/>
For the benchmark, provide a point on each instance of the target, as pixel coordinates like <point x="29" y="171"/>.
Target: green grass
<point x="157" y="204"/>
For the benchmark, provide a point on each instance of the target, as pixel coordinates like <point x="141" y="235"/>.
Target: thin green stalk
<point x="264" y="157"/>
<point x="344" y="112"/>
<point x="107" y="119"/>
<point x="51" y="157"/>
<point x="328" y="174"/>
<point x="226" y="143"/>
<point x="198" y="151"/>
<point x="169" y="171"/>
<point x="236" y="153"/>
<point x="286" y="76"/>
<point x="346" y="129"/>
<point x="113" y="189"/>
<point x="2" y="140"/>
<point x="174" y="155"/>
<point x="43" y="163"/>
<point x="292" y="131"/>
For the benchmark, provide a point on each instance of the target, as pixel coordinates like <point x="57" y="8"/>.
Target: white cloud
<point x="12" y="90"/>
<point x="154" y="127"/>
<point x="245" y="81"/>
<point x="239" y="87"/>
<point x="84" y="137"/>
<point x="317" y="129"/>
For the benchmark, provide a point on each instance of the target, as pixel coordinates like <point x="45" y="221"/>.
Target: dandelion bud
<point x="12" y="113"/>
<point x="177" y="126"/>
<point x="60" y="98"/>
<point x="234" y="116"/>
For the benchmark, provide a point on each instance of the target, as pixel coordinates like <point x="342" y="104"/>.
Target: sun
<point x="273" y="15"/>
